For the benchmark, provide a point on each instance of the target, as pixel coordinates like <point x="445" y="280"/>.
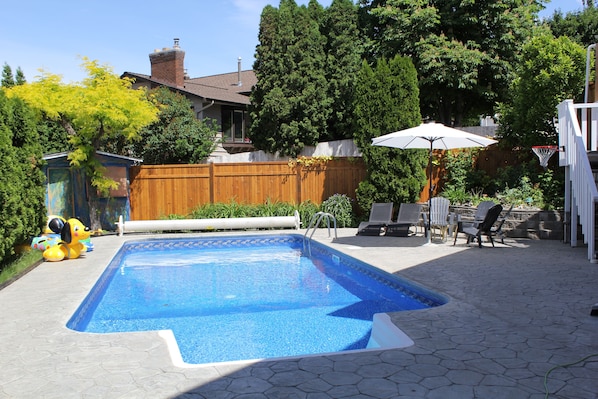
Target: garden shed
<point x="67" y="195"/>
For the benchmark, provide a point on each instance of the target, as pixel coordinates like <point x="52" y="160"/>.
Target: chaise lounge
<point x="380" y="217"/>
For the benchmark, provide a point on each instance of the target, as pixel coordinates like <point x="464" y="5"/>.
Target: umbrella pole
<point x="430" y="194"/>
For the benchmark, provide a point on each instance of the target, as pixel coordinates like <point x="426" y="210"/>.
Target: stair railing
<point x="314" y="223"/>
<point x="581" y="194"/>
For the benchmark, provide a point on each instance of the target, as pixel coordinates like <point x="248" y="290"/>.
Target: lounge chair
<point x="409" y="215"/>
<point x="478" y="218"/>
<point x="380" y="217"/>
<point x="484" y="228"/>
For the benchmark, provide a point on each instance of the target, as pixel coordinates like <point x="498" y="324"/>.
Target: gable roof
<point x="223" y="87"/>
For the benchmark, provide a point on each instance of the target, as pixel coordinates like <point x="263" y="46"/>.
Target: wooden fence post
<point x="212" y="183"/>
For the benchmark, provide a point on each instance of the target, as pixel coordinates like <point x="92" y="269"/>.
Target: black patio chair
<point x="484" y="228"/>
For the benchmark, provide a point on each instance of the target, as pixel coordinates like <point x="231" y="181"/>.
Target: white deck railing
<point x="578" y="134"/>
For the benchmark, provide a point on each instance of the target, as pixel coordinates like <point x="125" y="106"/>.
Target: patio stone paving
<point x="515" y="312"/>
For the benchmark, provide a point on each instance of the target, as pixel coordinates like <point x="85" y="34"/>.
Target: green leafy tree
<point x="22" y="190"/>
<point x="387" y="100"/>
<point x="462" y="50"/>
<point x="177" y="136"/>
<point x="579" y="26"/>
<point x="290" y="105"/>
<point x="551" y="70"/>
<point x="101" y="108"/>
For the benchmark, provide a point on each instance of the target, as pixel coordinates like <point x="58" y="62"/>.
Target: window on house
<point x="235" y="125"/>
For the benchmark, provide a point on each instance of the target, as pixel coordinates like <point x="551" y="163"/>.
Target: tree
<point x="580" y="26"/>
<point x="8" y="79"/>
<point x="22" y="187"/>
<point x="177" y="136"/>
<point x="550" y="71"/>
<point x="462" y="50"/>
<point x="290" y="105"/>
<point x="344" y="48"/>
<point x="386" y="100"/>
<point x="102" y="107"/>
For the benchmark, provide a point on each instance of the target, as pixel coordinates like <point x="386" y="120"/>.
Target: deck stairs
<point x="578" y="143"/>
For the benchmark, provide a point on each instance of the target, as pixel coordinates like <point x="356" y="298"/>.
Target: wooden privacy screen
<point x="161" y="190"/>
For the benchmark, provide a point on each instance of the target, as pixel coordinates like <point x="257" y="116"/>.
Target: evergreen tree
<point x="7" y="78"/>
<point x="22" y="190"/>
<point x="343" y="61"/>
<point x="387" y="100"/>
<point x="290" y="105"/>
<point x="20" y="77"/>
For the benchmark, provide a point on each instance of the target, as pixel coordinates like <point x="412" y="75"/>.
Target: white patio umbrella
<point x="432" y="136"/>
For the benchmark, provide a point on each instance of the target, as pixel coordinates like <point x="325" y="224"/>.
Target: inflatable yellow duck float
<point x="72" y="232"/>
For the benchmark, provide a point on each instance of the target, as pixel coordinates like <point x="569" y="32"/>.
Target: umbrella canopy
<point x="432" y="136"/>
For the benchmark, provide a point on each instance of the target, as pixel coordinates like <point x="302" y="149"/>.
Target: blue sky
<point x="52" y="35"/>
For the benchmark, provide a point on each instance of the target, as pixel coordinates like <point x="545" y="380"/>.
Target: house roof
<point x="223" y="87"/>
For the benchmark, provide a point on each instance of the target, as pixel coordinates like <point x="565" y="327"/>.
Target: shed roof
<point x="64" y="154"/>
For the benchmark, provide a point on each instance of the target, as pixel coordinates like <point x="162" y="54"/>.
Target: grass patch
<point x="18" y="266"/>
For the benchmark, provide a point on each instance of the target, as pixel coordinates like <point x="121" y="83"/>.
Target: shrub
<point x="339" y="205"/>
<point x="307" y="210"/>
<point x="22" y="189"/>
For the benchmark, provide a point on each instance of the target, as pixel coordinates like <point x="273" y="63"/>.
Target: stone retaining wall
<point x="525" y="223"/>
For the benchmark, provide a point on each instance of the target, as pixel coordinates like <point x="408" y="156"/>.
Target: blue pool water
<point x="245" y="297"/>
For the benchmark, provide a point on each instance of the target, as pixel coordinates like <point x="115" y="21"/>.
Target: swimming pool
<point x="245" y="297"/>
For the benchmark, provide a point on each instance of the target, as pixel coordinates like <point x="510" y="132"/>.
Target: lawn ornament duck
<point x="72" y="232"/>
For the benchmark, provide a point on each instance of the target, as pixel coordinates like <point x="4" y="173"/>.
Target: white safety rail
<point x="578" y="134"/>
<point x="271" y="222"/>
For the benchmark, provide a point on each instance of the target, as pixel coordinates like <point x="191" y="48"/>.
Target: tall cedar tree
<point x="387" y="100"/>
<point x="22" y="189"/>
<point x="290" y="102"/>
<point x="343" y="61"/>
<point x="463" y="50"/>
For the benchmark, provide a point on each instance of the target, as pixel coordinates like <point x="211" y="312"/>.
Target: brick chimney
<point x="168" y="65"/>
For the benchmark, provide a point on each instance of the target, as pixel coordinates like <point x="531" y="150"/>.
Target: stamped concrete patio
<point x="515" y="313"/>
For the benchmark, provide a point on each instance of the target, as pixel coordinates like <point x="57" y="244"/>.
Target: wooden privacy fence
<point x="161" y="190"/>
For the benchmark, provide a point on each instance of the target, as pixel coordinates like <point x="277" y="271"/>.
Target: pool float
<point x="54" y="225"/>
<point x="45" y="241"/>
<point x="72" y="232"/>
